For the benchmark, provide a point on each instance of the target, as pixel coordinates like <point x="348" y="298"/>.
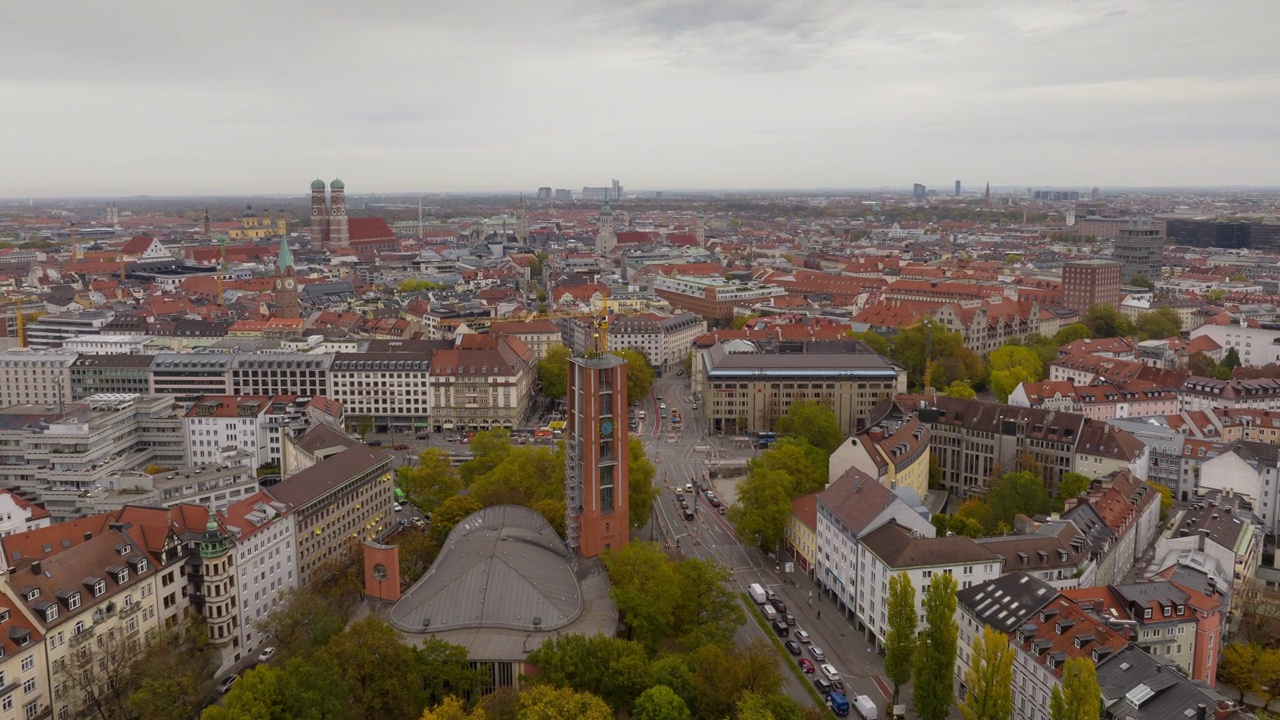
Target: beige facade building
<point x="539" y="335"/>
<point x="483" y="382"/>
<point x="38" y="378"/>
<point x="665" y="341"/>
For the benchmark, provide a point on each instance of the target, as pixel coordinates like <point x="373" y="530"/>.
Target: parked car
<point x="816" y="653"/>
<point x="802" y="636"/>
<point x="266" y="654"/>
<point x="806" y="664"/>
<point x="397" y="507"/>
<point x="788" y="618"/>
<point x="402" y="446"/>
<point x="823" y="684"/>
<point x="373" y="443"/>
<point x="792" y="647"/>
<point x="224" y="685"/>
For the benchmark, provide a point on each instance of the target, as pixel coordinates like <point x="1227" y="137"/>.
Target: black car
<point x="780" y="628"/>
<point x="778" y="605"/>
<point x="824" y="685"/>
<point x="792" y="647"/>
<point x="373" y="443"/>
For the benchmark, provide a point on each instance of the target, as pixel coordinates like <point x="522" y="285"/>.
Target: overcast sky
<point x="126" y="97"/>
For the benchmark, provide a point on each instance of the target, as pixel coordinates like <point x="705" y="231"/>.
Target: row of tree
<point x="927" y="657"/>
<point x="553" y="373"/>
<point x="1011" y="495"/>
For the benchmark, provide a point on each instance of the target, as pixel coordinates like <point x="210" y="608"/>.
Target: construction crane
<point x="222" y="267"/>
<point x="20" y="323"/>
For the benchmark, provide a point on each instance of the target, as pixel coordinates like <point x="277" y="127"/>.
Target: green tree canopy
<point x="298" y="689"/>
<point x="660" y="703"/>
<point x="617" y="671"/>
<point x="763" y="506"/>
<point x="989" y="679"/>
<point x="874" y="340"/>
<point x="543" y="702"/>
<point x="1071" y="485"/>
<point x="951" y="359"/>
<point x="378" y="669"/>
<point x="900" y="641"/>
<point x="526" y="475"/>
<point x="1231" y="360"/>
<point x="1159" y="324"/>
<point x="1236" y="666"/>
<point x="1012" y="365"/>
<point x="1018" y="493"/>
<point x="450" y="513"/>
<point x="1104" y="321"/>
<point x="1142" y="281"/>
<point x="431" y="481"/>
<point x="414" y="285"/>
<point x="553" y="372"/>
<point x="1080" y="697"/>
<point x="814" y="422"/>
<point x="489" y="449"/>
<point x="960" y="389"/>
<point x="1071" y="333"/>
<point x="936" y="653"/>
<point x="641" y="488"/>
<point x="639" y="374"/>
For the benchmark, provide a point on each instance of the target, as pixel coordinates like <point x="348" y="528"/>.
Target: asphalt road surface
<point x="681" y="455"/>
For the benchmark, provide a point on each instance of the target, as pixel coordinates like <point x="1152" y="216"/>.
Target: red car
<point x="806" y="665"/>
<point x="402" y="446"/>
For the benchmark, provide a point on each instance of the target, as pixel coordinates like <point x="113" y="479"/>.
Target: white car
<point x="266" y="654"/>
<point x="397" y="507"/>
<point x="224" y="685"/>
<point x="830" y="671"/>
<point x="801" y="635"/>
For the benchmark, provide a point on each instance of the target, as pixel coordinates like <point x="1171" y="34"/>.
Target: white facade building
<point x="264" y="536"/>
<point x="38" y="378"/>
<point x="108" y="344"/>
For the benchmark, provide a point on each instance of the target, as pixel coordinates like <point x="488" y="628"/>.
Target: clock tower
<point x="597" y="473"/>
<point x="286" y="287"/>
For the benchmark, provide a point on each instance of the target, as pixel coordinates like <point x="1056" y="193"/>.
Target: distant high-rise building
<point x="1095" y="194"/>
<point x="596" y="193"/>
<point x="563" y="195"/>
<point x="597" y="473"/>
<point x="616" y="190"/>
<point x="957" y="188"/>
<point x="1139" y="248"/>
<point x="918" y="191"/>
<point x="1090" y="282"/>
<point x="544" y="193"/>
<point x="1223" y="234"/>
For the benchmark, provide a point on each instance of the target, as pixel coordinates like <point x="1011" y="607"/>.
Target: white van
<point x="865" y="707"/>
<point x="769" y="613"/>
<point x="757" y="593"/>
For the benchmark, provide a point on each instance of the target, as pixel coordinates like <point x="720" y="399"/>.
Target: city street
<point x="683" y="459"/>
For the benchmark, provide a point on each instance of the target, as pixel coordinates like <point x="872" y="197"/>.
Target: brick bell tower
<point x="339" y="231"/>
<point x="319" y="216"/>
<point x="597" y="475"/>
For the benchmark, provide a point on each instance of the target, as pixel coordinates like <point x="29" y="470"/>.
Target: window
<point x="79" y="628"/>
<point x="99" y="588"/>
<point x="73" y="601"/>
<point x="29" y="686"/>
<point x="32" y="709"/>
<point x="51" y="613"/>
<point x="122" y="577"/>
<point x="28" y="662"/>
<point x="8" y="703"/>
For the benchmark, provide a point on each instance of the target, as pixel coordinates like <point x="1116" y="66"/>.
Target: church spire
<point x="284" y="259"/>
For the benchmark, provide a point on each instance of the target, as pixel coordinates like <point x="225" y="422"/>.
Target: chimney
<point x="876" y="434"/>
<point x="1200" y="536"/>
<point x="117" y="526"/>
<point x="88" y="536"/>
<point x="35" y="567"/>
<point x="1200" y="711"/>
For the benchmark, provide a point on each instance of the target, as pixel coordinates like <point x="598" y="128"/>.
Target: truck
<point x="865" y="706"/>
<point x="838" y="703"/>
<point x="756" y="591"/>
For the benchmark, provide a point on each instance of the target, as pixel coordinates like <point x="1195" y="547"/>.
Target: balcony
<point x="77" y="640"/>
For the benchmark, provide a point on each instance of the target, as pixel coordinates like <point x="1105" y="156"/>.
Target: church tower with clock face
<point x="597" y="471"/>
<point x="286" y="287"/>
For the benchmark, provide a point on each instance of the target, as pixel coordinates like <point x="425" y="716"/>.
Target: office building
<point x="713" y="298"/>
<point x="1086" y="283"/>
<point x="918" y="191"/>
<point x="957" y="188"/>
<point x="484" y="382"/>
<point x="596" y="455"/>
<point x="37" y="378"/>
<point x="50" y="331"/>
<point x="544" y="193"/>
<point x="1139" y="248"/>
<point x="95" y="374"/>
<point x="666" y="342"/>
<point x="563" y="195"/>
<point x="1227" y="234"/>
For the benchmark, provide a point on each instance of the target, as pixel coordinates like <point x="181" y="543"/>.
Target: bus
<point x="765" y="440"/>
<point x="400" y="496"/>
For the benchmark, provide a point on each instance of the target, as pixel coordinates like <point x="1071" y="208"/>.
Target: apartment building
<point x="107" y="344"/>
<point x="340" y="494"/>
<point x="1257" y="344"/>
<point x="35" y="378"/>
<point x="264" y="535"/>
<point x="847" y="510"/>
<point x="1250" y="471"/>
<point x="302" y="374"/>
<point x="1055" y="552"/>
<point x="18" y="514"/>
<point x="891" y="549"/>
<point x="666" y="342"/>
<point x="749" y="384"/>
<point x="801" y="533"/>
<point x="539" y="335"/>
<point x="713" y="298"/>
<point x="188" y="377"/>
<point x="988" y="324"/>
<point x="94" y="374"/>
<point x="973" y="437"/>
<point x="1119" y="517"/>
<point x="1202" y="393"/>
<point x="239" y="429"/>
<point x="389" y="391"/>
<point x="59" y="453"/>
<point x="483" y="382"/>
<point x="24" y="681"/>
<point x="50" y="331"/>
<point x="900" y="459"/>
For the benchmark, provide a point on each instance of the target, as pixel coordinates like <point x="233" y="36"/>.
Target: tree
<point x="1236" y="667"/>
<point x="174" y="673"/>
<point x="555" y="512"/>
<point x="660" y="703"/>
<point x="450" y="513"/>
<point x="874" y="340"/>
<point x="297" y="689"/>
<point x="1070" y="486"/>
<point x="803" y="463"/>
<point x="1231" y="360"/>
<point x="417" y="552"/>
<point x="814" y="422"/>
<point x="951" y="359"/>
<point x="900" y="641"/>
<point x="1071" y="333"/>
<point x="445" y="670"/>
<point x="488" y="449"/>
<point x="722" y="674"/>
<point x="616" y="671"/>
<point x="1201" y="365"/>
<point x="1215" y="296"/>
<point x="936" y="653"/>
<point x="1142" y="281"/>
<point x="705" y="610"/>
<point x="1080" y="697"/>
<point x="1166" y="499"/>
<point x="960" y="389"/>
<point x="639" y="374"/>
<point x="1020" y="493"/>
<point x="1266" y="672"/>
<point x="377" y="668"/>
<point x="1159" y="324"/>
<point x="641" y="489"/>
<point x="543" y="702"/>
<point x="644" y="588"/>
<point x="762" y="507"/>
<point x="553" y="372"/>
<point x="524" y="476"/>
<point x="414" y="285"/>
<point x="431" y="481"/>
<point x="1104" y="321"/>
<point x="989" y="680"/>
<point x="1011" y="366"/>
<point x="973" y="516"/>
<point x="451" y="708"/>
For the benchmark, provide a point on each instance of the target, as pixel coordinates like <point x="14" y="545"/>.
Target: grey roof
<point x="898" y="548"/>
<point x="831" y="358"/>
<point x="1138" y="686"/>
<point x="324" y="437"/>
<point x="501" y="567"/>
<point x="1008" y="601"/>
<point x="314" y="483"/>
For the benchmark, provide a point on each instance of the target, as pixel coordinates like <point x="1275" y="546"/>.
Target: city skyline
<point x="238" y="99"/>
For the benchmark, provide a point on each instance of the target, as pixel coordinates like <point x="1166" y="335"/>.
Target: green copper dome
<point x="317" y="184"/>
<point x="336" y="185"/>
